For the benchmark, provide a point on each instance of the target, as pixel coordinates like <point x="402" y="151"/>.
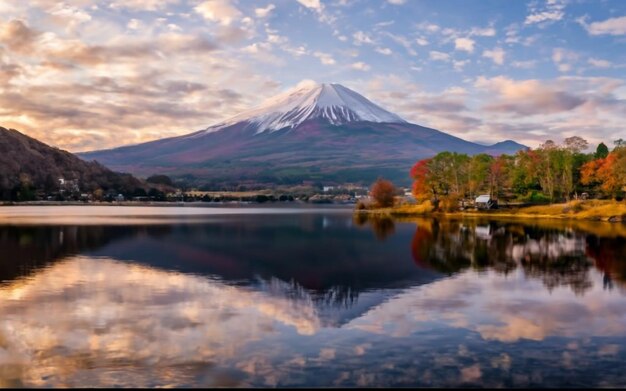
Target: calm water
<point x="121" y="296"/>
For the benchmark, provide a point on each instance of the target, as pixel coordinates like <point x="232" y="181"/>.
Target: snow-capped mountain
<point x="332" y="102"/>
<point x="323" y="133"/>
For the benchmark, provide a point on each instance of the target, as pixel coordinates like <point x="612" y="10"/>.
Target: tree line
<point x="551" y="173"/>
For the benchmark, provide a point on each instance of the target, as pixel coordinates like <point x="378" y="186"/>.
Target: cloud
<point x="421" y="41"/>
<point x="545" y="13"/>
<point x="465" y="44"/>
<point x="527" y="97"/>
<point x="439" y="56"/>
<point x="385" y="51"/>
<point x="325" y="58"/>
<point x="564" y="59"/>
<point x="544" y="16"/>
<point x="360" y="38"/>
<point x="496" y="55"/>
<point x="312" y="4"/>
<point x="599" y="63"/>
<point x="612" y="26"/>
<point x="220" y="11"/>
<point x="360" y="66"/>
<point x="264" y="12"/>
<point x="17" y="36"/>
<point x="483" y="32"/>
<point x="143" y="5"/>
<point x="396" y="2"/>
<point x="529" y="64"/>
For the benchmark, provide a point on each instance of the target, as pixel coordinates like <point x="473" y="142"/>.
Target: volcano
<point x="324" y="133"/>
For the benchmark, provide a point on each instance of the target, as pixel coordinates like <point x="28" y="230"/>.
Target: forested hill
<point x="30" y="169"/>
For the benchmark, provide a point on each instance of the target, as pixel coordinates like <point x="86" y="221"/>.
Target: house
<point x="485" y="202"/>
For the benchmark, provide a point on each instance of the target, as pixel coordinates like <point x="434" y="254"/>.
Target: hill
<point x="30" y="169"/>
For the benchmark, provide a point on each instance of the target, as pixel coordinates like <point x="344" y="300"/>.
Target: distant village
<point x="69" y="190"/>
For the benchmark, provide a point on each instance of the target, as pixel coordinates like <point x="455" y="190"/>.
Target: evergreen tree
<point x="602" y="151"/>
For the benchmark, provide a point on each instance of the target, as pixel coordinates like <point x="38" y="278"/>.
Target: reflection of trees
<point x="24" y="249"/>
<point x="554" y="256"/>
<point x="383" y="227"/>
<point x="609" y="256"/>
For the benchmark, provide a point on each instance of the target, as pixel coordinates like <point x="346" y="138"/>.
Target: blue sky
<point x="88" y="74"/>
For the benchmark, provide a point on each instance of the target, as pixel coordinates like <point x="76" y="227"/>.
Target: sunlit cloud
<point x="89" y="74"/>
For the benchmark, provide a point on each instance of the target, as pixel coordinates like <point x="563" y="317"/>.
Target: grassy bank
<point x="597" y="210"/>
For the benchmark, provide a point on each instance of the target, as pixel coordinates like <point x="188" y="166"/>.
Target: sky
<point x="92" y="74"/>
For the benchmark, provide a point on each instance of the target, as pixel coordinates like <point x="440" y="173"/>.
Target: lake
<point x="265" y="296"/>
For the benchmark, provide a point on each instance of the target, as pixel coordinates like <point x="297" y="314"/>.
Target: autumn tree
<point x="609" y="174"/>
<point x="422" y="187"/>
<point x="383" y="192"/>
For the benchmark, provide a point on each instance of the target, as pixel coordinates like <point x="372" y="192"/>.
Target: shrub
<point x="383" y="193"/>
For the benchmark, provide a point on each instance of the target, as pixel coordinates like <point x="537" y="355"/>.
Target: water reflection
<point x="558" y="257"/>
<point x="313" y="300"/>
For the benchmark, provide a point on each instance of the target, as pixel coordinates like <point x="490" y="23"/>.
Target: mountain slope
<point x="333" y="102"/>
<point x="26" y="162"/>
<point x="323" y="133"/>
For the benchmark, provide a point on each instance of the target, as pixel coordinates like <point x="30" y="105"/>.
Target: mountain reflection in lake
<point x="313" y="299"/>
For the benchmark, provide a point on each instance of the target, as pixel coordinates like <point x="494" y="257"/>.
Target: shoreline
<point x="193" y="204"/>
<point x="592" y="210"/>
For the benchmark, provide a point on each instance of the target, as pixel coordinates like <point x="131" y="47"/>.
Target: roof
<point x="483" y="198"/>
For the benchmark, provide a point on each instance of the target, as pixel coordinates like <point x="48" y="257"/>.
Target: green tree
<point x="602" y="151"/>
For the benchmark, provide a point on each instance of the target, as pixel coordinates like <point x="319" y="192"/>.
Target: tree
<point x="479" y="170"/>
<point x="576" y="144"/>
<point x="420" y="174"/>
<point x="608" y="173"/>
<point x="383" y="193"/>
<point x="602" y="151"/>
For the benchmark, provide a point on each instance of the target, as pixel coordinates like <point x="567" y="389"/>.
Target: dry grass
<point x="600" y="210"/>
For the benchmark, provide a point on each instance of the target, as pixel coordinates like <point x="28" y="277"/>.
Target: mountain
<point x="315" y="132"/>
<point x="28" y="166"/>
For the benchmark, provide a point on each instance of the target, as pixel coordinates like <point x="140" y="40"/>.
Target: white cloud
<point x="428" y="27"/>
<point x="360" y="66"/>
<point x="439" y="56"/>
<point x="360" y="38"/>
<point x="134" y="24"/>
<point x="496" y="55"/>
<point x="325" y="58"/>
<point x="483" y="32"/>
<point x="385" y="51"/>
<point x="613" y="26"/>
<point x="313" y="4"/>
<point x="396" y="2"/>
<point x="465" y="44"/>
<point x="458" y="65"/>
<point x="544" y="13"/>
<point x="421" y="41"/>
<point x="544" y="16"/>
<point x="220" y="11"/>
<point x="564" y="59"/>
<point x="599" y="63"/>
<point x="264" y="12"/>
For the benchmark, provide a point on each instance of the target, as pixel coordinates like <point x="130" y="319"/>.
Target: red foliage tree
<point x="419" y="173"/>
<point x="383" y="193"/>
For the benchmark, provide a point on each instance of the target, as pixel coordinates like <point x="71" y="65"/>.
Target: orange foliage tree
<point x="609" y="173"/>
<point x="383" y="193"/>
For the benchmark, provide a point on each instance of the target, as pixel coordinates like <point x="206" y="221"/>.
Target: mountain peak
<point x="310" y="100"/>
